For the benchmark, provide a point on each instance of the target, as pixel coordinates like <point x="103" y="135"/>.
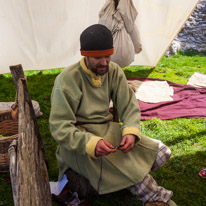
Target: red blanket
<point x="188" y="101"/>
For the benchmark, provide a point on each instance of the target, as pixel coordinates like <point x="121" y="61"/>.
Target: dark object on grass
<point x="157" y="203"/>
<point x="66" y="197"/>
<point x="79" y="184"/>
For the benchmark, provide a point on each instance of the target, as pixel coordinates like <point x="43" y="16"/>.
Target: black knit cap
<point x="96" y="41"/>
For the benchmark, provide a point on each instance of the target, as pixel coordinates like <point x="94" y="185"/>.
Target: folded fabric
<point x="154" y="92"/>
<point x="188" y="101"/>
<point x="7" y="106"/>
<point x="197" y="80"/>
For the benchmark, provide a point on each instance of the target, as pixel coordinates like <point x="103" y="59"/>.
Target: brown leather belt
<point x="82" y="123"/>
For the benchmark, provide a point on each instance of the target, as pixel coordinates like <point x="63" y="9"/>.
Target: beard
<point x="100" y="70"/>
<point x="96" y="66"/>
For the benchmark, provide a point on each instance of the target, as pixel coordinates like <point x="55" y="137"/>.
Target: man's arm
<point x="62" y="125"/>
<point x="128" y="109"/>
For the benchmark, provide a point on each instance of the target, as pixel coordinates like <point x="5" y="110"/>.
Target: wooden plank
<point x="13" y="163"/>
<point x="17" y="74"/>
<point x="30" y="181"/>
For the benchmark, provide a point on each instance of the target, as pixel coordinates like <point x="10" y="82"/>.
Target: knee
<point x="165" y="150"/>
<point x="167" y="153"/>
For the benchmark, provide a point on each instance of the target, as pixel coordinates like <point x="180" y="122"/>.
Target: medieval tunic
<point x="81" y="96"/>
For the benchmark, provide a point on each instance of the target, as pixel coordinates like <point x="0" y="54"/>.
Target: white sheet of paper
<point x="57" y="187"/>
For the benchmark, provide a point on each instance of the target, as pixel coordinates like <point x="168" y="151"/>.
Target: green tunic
<point x="81" y="96"/>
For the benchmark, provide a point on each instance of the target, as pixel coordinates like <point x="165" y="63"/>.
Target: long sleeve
<point x="128" y="109"/>
<point x="62" y="123"/>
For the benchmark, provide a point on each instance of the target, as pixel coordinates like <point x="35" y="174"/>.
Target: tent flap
<point x="45" y="34"/>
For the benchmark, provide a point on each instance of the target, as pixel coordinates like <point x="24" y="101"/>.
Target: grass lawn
<point x="185" y="137"/>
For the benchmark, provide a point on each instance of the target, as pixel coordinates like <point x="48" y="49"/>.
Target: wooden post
<point x="18" y="73"/>
<point x="29" y="176"/>
<point x="13" y="164"/>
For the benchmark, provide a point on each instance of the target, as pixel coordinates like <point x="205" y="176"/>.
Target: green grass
<point x="185" y="137"/>
<point x="178" y="68"/>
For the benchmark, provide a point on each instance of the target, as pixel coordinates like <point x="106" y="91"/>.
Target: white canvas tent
<point x="44" y="34"/>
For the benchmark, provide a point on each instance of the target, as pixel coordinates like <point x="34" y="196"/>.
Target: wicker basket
<point x="8" y="127"/>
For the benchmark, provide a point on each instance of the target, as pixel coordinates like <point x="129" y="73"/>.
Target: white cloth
<point x="197" y="80"/>
<point x="45" y="34"/>
<point x="154" y="92"/>
<point x="7" y="106"/>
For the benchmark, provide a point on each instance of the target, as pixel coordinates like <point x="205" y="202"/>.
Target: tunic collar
<point x="96" y="79"/>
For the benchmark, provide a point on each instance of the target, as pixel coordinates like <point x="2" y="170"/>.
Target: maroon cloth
<point x="188" y="101"/>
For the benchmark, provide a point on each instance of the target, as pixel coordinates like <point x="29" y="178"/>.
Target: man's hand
<point x="104" y="148"/>
<point x="127" y="143"/>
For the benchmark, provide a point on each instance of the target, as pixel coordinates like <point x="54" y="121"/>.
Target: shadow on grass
<point x="141" y="72"/>
<point x="183" y="138"/>
<point x="7" y="89"/>
<point x="180" y="175"/>
<point x="38" y="84"/>
<point x="120" y="198"/>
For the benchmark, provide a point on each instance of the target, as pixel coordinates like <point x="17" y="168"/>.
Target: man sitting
<point x="109" y="155"/>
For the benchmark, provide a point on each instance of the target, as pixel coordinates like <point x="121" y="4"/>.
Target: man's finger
<point x="109" y="145"/>
<point x="128" y="149"/>
<point x="104" y="148"/>
<point x="123" y="141"/>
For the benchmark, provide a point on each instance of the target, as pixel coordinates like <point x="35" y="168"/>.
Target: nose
<point x="104" y="61"/>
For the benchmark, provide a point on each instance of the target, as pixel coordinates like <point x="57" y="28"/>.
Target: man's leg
<point x="163" y="155"/>
<point x="148" y="190"/>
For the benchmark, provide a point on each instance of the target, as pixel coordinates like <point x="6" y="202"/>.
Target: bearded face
<point x="98" y="65"/>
